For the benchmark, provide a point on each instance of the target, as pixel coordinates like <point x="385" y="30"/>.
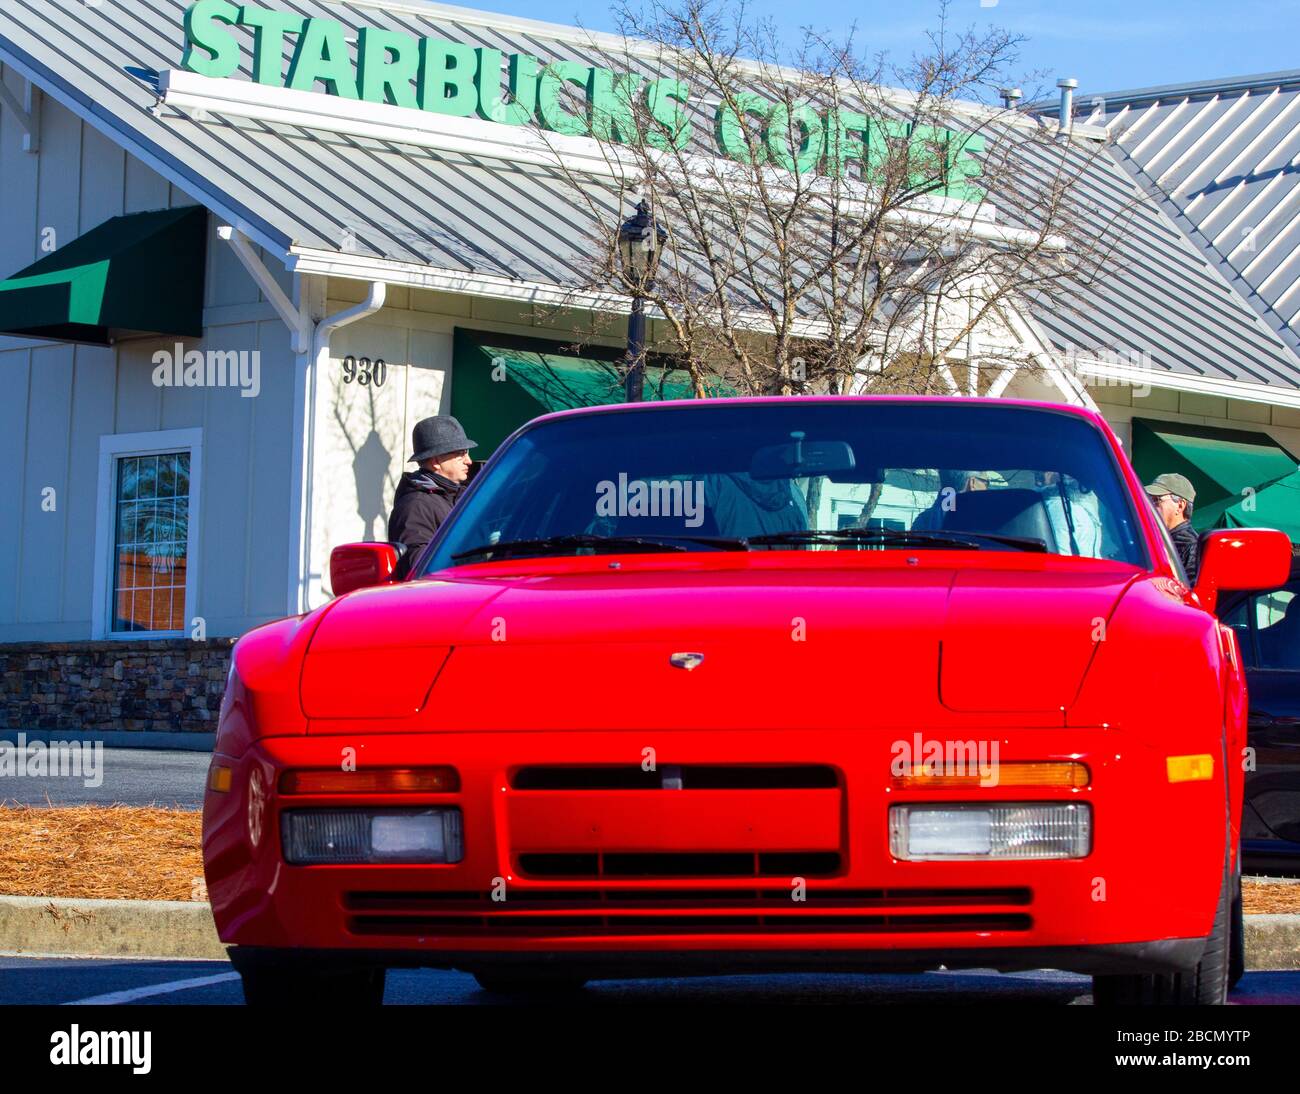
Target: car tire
<point x="280" y="985"/>
<point x="1204" y="985"/>
<point x="528" y="982"/>
<point x="1237" y="945"/>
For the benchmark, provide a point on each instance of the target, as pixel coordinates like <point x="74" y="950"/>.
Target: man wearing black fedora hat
<point x="425" y="497"/>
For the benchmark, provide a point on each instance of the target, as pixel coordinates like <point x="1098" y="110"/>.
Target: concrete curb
<point x="108" y="928"/>
<point x="184" y="929"/>
<point x="1272" y="941"/>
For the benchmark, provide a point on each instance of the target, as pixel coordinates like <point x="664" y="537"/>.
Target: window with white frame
<point x="146" y="533"/>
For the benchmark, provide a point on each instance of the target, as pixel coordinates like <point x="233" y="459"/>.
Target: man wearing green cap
<point x="1173" y="495"/>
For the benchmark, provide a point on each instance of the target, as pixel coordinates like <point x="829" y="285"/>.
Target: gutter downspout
<point x="317" y="361"/>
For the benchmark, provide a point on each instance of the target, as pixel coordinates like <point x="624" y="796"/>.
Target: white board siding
<point x="94" y="379"/>
<point x="59" y="399"/>
<point x="45" y="462"/>
<point x="144" y="188"/>
<point x="62" y="400"/>
<point x="18" y="180"/>
<point x="103" y="192"/>
<point x="15" y="370"/>
<point x="413" y="332"/>
<point x="363" y="433"/>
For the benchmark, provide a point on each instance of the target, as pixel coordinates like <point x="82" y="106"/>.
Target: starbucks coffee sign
<point x="450" y="78"/>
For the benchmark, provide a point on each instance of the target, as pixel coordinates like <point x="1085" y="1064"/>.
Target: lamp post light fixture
<point x="640" y="242"/>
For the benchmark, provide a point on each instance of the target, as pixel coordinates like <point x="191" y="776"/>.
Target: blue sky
<point x="1108" y="45"/>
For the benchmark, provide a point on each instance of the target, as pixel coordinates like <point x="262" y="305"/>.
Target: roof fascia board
<point x="1090" y="369"/>
<point x="356" y="267"/>
<point x="368" y="268"/>
<point x="113" y="127"/>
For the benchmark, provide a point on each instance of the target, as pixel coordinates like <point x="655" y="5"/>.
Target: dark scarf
<point x="431" y="480"/>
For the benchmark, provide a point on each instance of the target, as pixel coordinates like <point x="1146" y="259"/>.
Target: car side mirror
<point x="1242" y="558"/>
<point x="360" y="565"/>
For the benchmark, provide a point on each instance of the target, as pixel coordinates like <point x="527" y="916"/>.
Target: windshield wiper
<point x="973" y="541"/>
<point x="647" y="543"/>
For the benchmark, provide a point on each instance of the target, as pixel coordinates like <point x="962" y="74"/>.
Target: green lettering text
<point x="206" y="24"/>
<point x="666" y="100"/>
<point x="550" y="95"/>
<point x="523" y="87"/>
<point x="322" y="54"/>
<point x="269" y="29"/>
<point x="795" y="137"/>
<point x="739" y="137"/>
<point x="447" y="72"/>
<point x="387" y="62"/>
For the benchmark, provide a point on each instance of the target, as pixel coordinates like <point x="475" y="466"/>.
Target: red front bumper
<point x="551" y="872"/>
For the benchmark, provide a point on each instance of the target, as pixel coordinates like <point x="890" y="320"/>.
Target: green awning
<point x="499" y="385"/>
<point x="135" y="274"/>
<point x="1221" y="463"/>
<point x="1276" y="505"/>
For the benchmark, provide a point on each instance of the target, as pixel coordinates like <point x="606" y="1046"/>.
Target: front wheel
<point x="1237" y="952"/>
<point x="1204" y="985"/>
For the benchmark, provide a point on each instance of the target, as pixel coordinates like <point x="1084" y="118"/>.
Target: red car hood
<point x="825" y="643"/>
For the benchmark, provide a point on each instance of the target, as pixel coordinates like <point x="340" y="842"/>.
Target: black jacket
<point x="422" y="502"/>
<point x="1187" y="542"/>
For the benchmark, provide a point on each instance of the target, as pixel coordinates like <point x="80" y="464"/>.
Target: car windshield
<point x="824" y="475"/>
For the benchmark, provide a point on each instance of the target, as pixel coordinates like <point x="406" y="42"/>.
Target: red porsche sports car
<point x="749" y="685"/>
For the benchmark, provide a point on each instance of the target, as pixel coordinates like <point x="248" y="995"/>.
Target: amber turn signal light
<point x="384" y="780"/>
<point x="1189" y="769"/>
<point x="1050" y="775"/>
<point x="219" y="778"/>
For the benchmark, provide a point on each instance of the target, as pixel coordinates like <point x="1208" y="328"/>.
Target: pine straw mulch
<point x="120" y="852"/>
<point x="1261" y="898"/>
<point x="127" y="852"/>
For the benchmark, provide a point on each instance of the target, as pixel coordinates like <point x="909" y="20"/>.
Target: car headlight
<point x="1033" y="830"/>
<point x="312" y="837"/>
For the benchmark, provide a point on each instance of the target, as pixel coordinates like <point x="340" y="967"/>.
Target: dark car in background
<point x="1268" y="628"/>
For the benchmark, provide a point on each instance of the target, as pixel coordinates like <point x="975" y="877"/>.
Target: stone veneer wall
<point x="169" y="685"/>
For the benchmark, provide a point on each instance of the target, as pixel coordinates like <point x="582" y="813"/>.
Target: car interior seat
<point x="666" y="525"/>
<point x="1012" y="512"/>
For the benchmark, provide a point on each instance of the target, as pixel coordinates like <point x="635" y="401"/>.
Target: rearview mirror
<point x="360" y="565"/>
<point x="800" y="459"/>
<point x="1244" y="558"/>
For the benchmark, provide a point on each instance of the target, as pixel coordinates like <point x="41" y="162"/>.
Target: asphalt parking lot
<point x="126" y="776"/>
<point x="113" y="981"/>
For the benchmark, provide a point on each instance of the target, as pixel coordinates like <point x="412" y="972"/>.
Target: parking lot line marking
<point x="131" y="994"/>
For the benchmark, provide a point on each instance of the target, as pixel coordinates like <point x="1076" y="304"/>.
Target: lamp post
<point x="640" y="241"/>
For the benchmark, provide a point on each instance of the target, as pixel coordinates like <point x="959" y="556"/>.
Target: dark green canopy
<point x="135" y="274"/>
<point x="1275" y="505"/>
<point x="1222" y="464"/>
<point x="500" y="383"/>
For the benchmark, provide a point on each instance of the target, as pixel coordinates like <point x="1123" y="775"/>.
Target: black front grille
<point x="515" y="925"/>
<point x="632" y="911"/>
<point x="469" y="901"/>
<point x="681" y="864"/>
<point x="692" y="777"/>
